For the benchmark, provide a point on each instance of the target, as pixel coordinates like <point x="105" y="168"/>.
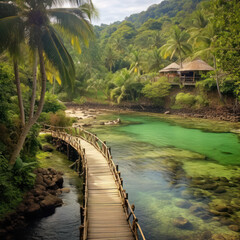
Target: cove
<point x="172" y="171"/>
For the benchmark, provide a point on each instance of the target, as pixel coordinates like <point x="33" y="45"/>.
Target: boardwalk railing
<point x="72" y="136"/>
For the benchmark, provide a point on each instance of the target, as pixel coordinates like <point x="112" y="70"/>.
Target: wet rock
<point x="59" y="181"/>
<point x="186" y="194"/>
<point x="196" y="208"/>
<point x="47" y="148"/>
<point x="33" y="208"/>
<point x="65" y="190"/>
<point x="207" y="235"/>
<point x="222" y="208"/>
<point x="220" y="189"/>
<point x="218" y="237"/>
<point x="210" y="186"/>
<point x="183" y="204"/>
<point x="224" y="179"/>
<point x="181" y="222"/>
<point x="234" y="228"/>
<point x="51" y="202"/>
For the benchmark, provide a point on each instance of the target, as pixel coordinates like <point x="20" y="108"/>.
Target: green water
<point x="160" y="159"/>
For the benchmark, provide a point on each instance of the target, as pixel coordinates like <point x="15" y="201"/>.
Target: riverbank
<point x="225" y="113"/>
<point x="56" y="196"/>
<point x="40" y="201"/>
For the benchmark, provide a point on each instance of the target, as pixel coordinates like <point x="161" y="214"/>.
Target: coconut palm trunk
<point x="34" y="85"/>
<point x="19" y="92"/>
<point x="35" y="117"/>
<point x="217" y="80"/>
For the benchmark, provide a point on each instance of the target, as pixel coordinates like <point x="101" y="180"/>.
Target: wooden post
<point x="81" y="229"/>
<point x="68" y="150"/>
<point x="121" y="181"/>
<point x="117" y="167"/>
<point x="82" y="214"/>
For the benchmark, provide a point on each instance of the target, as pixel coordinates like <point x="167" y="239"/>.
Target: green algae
<point x="59" y="162"/>
<point x="159" y="156"/>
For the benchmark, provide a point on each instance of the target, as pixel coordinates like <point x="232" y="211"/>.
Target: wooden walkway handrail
<point x="71" y="135"/>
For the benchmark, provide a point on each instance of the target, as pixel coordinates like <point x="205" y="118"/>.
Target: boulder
<point x="47" y="148"/>
<point x="33" y="208"/>
<point x="234" y="228"/>
<point x="220" y="189"/>
<point x="50" y="202"/>
<point x="181" y="222"/>
<point x="183" y="204"/>
<point x="65" y="190"/>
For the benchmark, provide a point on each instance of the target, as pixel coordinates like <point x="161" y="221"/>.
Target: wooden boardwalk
<point x="106" y="212"/>
<point x="107" y="219"/>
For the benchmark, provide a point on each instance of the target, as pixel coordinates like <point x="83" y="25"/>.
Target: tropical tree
<point x="205" y="42"/>
<point x="155" y="60"/>
<point x="177" y="45"/>
<point x="110" y="58"/>
<point x="29" y="22"/>
<point x="136" y="62"/>
<point x="199" y="23"/>
<point x="227" y="44"/>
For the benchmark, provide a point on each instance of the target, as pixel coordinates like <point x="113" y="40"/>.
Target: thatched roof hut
<point x="196" y="65"/>
<point x="173" y="67"/>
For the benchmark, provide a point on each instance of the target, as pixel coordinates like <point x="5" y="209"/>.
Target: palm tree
<point x="177" y="45"/>
<point x="30" y="22"/>
<point x="136" y="62"/>
<point x="204" y="41"/>
<point x="155" y="60"/>
<point x="199" y="23"/>
<point x="110" y="58"/>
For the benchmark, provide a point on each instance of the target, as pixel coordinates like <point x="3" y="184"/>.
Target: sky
<point x="116" y="10"/>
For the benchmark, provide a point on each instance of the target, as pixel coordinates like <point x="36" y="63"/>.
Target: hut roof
<point x="196" y="65"/>
<point x="173" y="67"/>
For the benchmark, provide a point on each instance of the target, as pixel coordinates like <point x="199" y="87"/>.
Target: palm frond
<point x="12" y="34"/>
<point x="75" y="21"/>
<point x="7" y="9"/>
<point x="58" y="56"/>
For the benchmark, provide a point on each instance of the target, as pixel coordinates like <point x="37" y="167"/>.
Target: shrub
<point x="60" y="119"/>
<point x="185" y="99"/>
<point x="80" y="100"/>
<point x="52" y="104"/>
<point x="157" y="90"/>
<point x="200" y="101"/>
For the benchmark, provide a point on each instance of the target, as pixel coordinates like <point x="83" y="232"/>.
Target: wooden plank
<point x="106" y="216"/>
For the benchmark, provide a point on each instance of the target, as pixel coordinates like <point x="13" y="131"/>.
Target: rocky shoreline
<point x="39" y="202"/>
<point x="225" y="113"/>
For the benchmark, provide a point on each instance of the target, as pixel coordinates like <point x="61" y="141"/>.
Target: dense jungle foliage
<point x="125" y="56"/>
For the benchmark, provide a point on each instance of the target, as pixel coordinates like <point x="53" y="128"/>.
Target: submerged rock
<point x="234" y="228"/>
<point x="181" y="222"/>
<point x="183" y="204"/>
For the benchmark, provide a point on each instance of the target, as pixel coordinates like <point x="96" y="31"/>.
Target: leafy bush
<point x="200" y="101"/>
<point x="13" y="182"/>
<point x="189" y="100"/>
<point x="80" y="100"/>
<point x="52" y="104"/>
<point x="60" y="119"/>
<point x="63" y="96"/>
<point x="185" y="99"/>
<point x="206" y="84"/>
<point x="158" y="89"/>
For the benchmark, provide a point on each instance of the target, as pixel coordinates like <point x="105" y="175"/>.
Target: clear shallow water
<point x="65" y="221"/>
<point x="159" y="163"/>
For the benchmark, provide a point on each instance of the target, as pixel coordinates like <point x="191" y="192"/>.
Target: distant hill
<point x="168" y="8"/>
